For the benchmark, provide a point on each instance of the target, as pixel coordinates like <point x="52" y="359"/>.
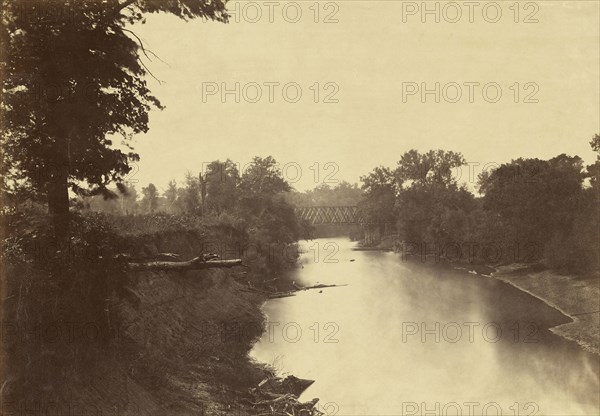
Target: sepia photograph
<point x="299" y="208"/>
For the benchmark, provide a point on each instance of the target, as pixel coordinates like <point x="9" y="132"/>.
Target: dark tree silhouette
<point x="150" y="199"/>
<point x="73" y="78"/>
<point x="221" y="179"/>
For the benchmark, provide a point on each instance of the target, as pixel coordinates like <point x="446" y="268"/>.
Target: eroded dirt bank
<point x="162" y="343"/>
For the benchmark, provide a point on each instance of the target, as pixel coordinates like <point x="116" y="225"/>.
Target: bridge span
<point x="330" y="215"/>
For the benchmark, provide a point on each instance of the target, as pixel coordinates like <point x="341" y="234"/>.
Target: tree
<point x="70" y="84"/>
<point x="431" y="207"/>
<point x="380" y="190"/>
<point x="262" y="178"/>
<point x="593" y="171"/>
<point x="536" y="198"/>
<point x="421" y="196"/>
<point x="150" y="199"/>
<point x="435" y="166"/>
<point x="262" y="202"/>
<point x="577" y="248"/>
<point x="343" y="194"/>
<point x="129" y="204"/>
<point x="221" y="180"/>
<point x="434" y="213"/>
<point x="171" y="197"/>
<point x="190" y="195"/>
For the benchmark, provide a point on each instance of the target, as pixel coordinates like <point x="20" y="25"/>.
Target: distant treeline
<point x="221" y="191"/>
<point x="523" y="211"/>
<point x="254" y="200"/>
<point x="342" y="194"/>
<point x="215" y="191"/>
<point x="527" y="209"/>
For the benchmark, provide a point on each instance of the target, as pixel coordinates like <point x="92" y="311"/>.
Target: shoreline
<point x="576" y="297"/>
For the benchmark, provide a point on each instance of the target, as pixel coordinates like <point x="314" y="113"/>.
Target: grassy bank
<point x="577" y="297"/>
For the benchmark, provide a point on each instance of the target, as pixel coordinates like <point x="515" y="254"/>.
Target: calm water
<point x="409" y="338"/>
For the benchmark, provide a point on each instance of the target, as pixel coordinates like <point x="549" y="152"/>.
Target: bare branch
<point x="144" y="51"/>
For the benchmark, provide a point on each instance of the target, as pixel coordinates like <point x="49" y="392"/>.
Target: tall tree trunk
<point x="58" y="204"/>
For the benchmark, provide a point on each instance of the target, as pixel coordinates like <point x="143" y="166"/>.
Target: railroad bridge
<point x="330" y="215"/>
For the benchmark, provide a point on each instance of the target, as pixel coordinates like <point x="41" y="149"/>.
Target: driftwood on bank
<point x="194" y="264"/>
<point x="277" y="396"/>
<point x="285" y="293"/>
<point x="299" y="289"/>
<point x="321" y="286"/>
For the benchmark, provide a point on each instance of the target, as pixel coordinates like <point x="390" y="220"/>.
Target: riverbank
<point x="82" y="332"/>
<point x="406" y="306"/>
<point x="577" y="297"/>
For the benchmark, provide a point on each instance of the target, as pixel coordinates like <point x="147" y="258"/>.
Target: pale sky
<point x="368" y="55"/>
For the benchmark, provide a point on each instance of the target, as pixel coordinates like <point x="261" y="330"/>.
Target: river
<point x="410" y="338"/>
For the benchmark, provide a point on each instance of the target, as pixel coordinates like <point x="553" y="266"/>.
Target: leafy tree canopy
<point x="74" y="78"/>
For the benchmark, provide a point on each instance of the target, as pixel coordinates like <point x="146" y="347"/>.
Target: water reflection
<point x="408" y="338"/>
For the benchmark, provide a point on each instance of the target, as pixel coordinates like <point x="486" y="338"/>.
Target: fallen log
<point x="299" y="289"/>
<point x="140" y="258"/>
<point x="320" y="286"/>
<point x="194" y="264"/>
<point x="281" y="295"/>
<point x="255" y="291"/>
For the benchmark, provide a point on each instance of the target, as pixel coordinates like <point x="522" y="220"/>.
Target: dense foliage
<point x="527" y="209"/>
<point x="342" y="194"/>
<point x="73" y="81"/>
<point x="252" y="206"/>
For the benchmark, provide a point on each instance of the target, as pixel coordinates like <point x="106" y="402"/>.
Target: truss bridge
<point x="330" y="215"/>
